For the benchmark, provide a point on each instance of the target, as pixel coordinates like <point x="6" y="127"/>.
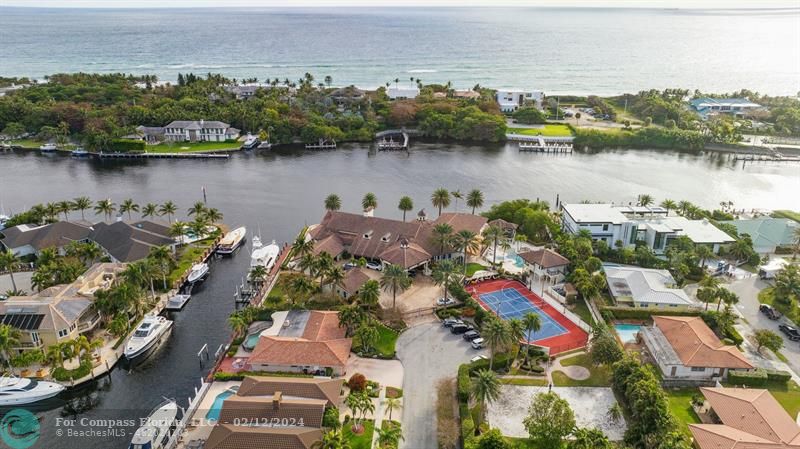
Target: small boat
<point x="177" y="302"/>
<point x="21" y="390"/>
<point x="158" y="427"/>
<point x="146" y="337"/>
<point x="264" y="146"/>
<point x="48" y="148"/>
<point x="265" y="256"/>
<point x="251" y="142"/>
<point x="198" y="273"/>
<point x="79" y="152"/>
<point x="3" y="220"/>
<point x="231" y="241"/>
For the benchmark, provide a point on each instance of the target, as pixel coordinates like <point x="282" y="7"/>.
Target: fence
<point x="194" y="403"/>
<point x="562" y="308"/>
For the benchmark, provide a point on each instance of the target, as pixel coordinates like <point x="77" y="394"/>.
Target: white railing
<point x="562" y="308"/>
<point x="194" y="403"/>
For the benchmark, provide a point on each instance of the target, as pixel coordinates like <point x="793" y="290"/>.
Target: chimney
<point x="369" y="212"/>
<point x="276" y="401"/>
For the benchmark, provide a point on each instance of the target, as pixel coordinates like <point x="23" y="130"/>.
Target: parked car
<point x="445" y="302"/>
<point x="461" y="328"/>
<point x="349" y="265"/>
<point x="769" y="311"/>
<point x="375" y="266"/>
<point x="478" y="358"/>
<point x="471" y="335"/>
<point x="477" y="343"/>
<point x="450" y="322"/>
<point x="792" y="333"/>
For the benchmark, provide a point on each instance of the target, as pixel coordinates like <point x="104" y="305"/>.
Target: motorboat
<point x="21" y="390"/>
<point x="3" y="220"/>
<point x="265" y="256"/>
<point x="198" y="273"/>
<point x="251" y="142"/>
<point x="231" y="241"/>
<point x="48" y="148"/>
<point x="146" y="337"/>
<point x="79" y="152"/>
<point x="177" y="302"/>
<point x="158" y="427"/>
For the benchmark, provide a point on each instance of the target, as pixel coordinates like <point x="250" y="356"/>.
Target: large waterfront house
<point x="686" y="349"/>
<point x="347" y="95"/>
<point x="402" y="92"/>
<point x="744" y="418"/>
<point x="302" y="341"/>
<point x="545" y="264"/>
<point x="708" y="107"/>
<point x="511" y="100"/>
<point x="645" y="288"/>
<point x="230" y="436"/>
<point x="199" y="131"/>
<point x="627" y="225"/>
<point x="768" y="234"/>
<point x="353" y="280"/>
<point x="59" y="313"/>
<point x="120" y="241"/>
<point x="244" y="91"/>
<point x="409" y="244"/>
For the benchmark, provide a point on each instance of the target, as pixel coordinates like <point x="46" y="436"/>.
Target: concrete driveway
<point x="22" y="279"/>
<point x="385" y="372"/>
<point x="747" y="289"/>
<point x="429" y="353"/>
<point x="422" y="294"/>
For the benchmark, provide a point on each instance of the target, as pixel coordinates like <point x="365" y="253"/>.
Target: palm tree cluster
<point x="81" y="347"/>
<point x="360" y="404"/>
<point x="440" y="199"/>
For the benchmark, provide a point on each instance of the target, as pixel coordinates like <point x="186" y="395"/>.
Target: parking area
<point x="429" y="353"/>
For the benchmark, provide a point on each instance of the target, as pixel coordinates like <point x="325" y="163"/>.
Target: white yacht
<point x="156" y="431"/>
<point x="146" y="337"/>
<point x="79" y="152"/>
<point x="3" y="220"/>
<point x="231" y="241"/>
<point x="251" y="142"/>
<point x="47" y="148"/>
<point x="177" y="302"/>
<point x="198" y="273"/>
<point x="21" y="390"/>
<point x="265" y="256"/>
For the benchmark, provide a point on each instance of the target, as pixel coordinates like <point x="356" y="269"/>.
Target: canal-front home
<point x="59" y="313"/>
<point x="199" y="131"/>
<point x="511" y="100"/>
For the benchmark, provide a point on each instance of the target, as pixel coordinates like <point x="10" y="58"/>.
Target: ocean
<point x="558" y="50"/>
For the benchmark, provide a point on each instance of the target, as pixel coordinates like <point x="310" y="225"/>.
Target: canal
<point x="279" y="191"/>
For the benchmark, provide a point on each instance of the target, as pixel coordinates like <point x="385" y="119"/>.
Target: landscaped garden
<point x="680" y="404"/>
<point x="599" y="376"/>
<point x="548" y="130"/>
<point x="190" y="147"/>
<point x="385" y="343"/>
<point x="361" y="440"/>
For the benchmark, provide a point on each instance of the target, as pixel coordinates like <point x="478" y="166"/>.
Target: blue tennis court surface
<point x="509" y="303"/>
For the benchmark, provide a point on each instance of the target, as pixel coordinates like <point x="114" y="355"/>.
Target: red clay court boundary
<point x="574" y="338"/>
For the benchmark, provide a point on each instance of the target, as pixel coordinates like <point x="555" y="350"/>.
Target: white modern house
<point x="402" y="92"/>
<point x="706" y="107"/>
<point x="629" y="224"/>
<point x="511" y="100"/>
<point x="645" y="288"/>
<point x="199" y="131"/>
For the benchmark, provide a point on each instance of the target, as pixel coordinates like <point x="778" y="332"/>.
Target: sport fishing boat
<point x="146" y="337"/>
<point x="264" y="256"/>
<point x="158" y="427"/>
<point x="231" y="241"/>
<point x="177" y="302"/>
<point x="21" y="390"/>
<point x="198" y="273"/>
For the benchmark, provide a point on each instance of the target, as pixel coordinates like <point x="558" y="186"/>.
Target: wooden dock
<point x="765" y="158"/>
<point x="387" y="142"/>
<point x="539" y="144"/>
<point x="163" y="155"/>
<point x="322" y="145"/>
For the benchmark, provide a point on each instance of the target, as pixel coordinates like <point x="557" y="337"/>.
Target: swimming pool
<point x="627" y="332"/>
<point x="216" y="407"/>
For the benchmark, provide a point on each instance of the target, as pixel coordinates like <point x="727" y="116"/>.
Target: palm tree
<point x="350" y="318"/>
<point x="395" y="279"/>
<point x="51" y="210"/>
<point x="390" y="435"/>
<point x="164" y="259"/>
<point x="333" y="202"/>
<point x="332" y="439"/>
<point x="644" y="200"/>
<point x="9" y="338"/>
<point x="368" y="336"/>
<point x="178" y="229"/>
<point x="494" y="234"/>
<point x="532" y="324"/>
<point x="440" y="198"/>
<point x="369" y="294"/>
<point x="300" y="287"/>
<point x="258" y="273"/>
<point x="334" y="276"/>
<point x="475" y="199"/>
<point x="213" y="215"/>
<point x="81" y="203"/>
<point x="684" y="206"/>
<point x="128" y="206"/>
<point x="8" y="261"/>
<point x="466" y="241"/>
<point x="442" y="236"/>
<point x="669" y="205"/>
<point x="149" y="210"/>
<point x="497" y="335"/>
<point x="302" y="245"/>
<point x="391" y="405"/>
<point x="485" y="387"/>
<point x="199" y="227"/>
<point x="369" y="202"/>
<point x="64" y="207"/>
<point x="457" y="195"/>
<point x="707" y="295"/>
<point x="238" y="323"/>
<point x="728" y="297"/>
<point x="105" y="207"/>
<point x="703" y="252"/>
<point x="406" y="204"/>
<point x="169" y="208"/>
<point x="446" y="274"/>
<point x="197" y="209"/>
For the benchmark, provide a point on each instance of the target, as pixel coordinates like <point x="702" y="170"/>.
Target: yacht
<point x="264" y="255"/>
<point x="146" y="337"/>
<point x="48" y="148"/>
<point x="251" y="142"/>
<point x="231" y="241"/>
<point x="158" y="428"/>
<point x="21" y="390"/>
<point x="198" y="273"/>
<point x="3" y="220"/>
<point x="79" y="152"/>
<point x="177" y="302"/>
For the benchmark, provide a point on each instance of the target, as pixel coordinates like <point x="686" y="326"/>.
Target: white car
<point x="445" y="302"/>
<point x="477" y="343"/>
<point x="478" y="358"/>
<point x="374" y="266"/>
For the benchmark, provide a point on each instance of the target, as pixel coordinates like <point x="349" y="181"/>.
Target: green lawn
<point x="190" y="147"/>
<point x="599" y="376"/>
<point x="767" y="295"/>
<point x="681" y="407"/>
<point x="473" y="267"/>
<point x="188" y="256"/>
<point x="528" y="382"/>
<point x="551" y="130"/>
<point x="26" y="143"/>
<point x="792" y="215"/>
<point x="387" y="338"/>
<point x="363" y="441"/>
<point x="582" y="310"/>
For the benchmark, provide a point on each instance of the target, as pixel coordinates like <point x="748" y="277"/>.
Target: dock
<point x="322" y="145"/>
<point x="102" y="155"/>
<point x="387" y="140"/>
<point x="540" y="144"/>
<point x="777" y="157"/>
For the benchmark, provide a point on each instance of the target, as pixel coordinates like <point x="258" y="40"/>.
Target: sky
<point x="727" y="4"/>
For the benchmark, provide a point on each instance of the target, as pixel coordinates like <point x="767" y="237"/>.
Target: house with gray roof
<point x="768" y="233"/>
<point x="26" y="239"/>
<point x="708" y="107"/>
<point x="199" y="131"/>
<point x="646" y="288"/>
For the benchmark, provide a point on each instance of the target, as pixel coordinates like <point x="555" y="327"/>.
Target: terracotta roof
<point x="407" y="255"/>
<point x="227" y="436"/>
<point x="330" y="244"/>
<point x="748" y="411"/>
<point x="274" y="408"/>
<point x="716" y="436"/>
<point x="545" y="258"/>
<point x="696" y="345"/>
<point x="323" y="325"/>
<point x="354" y="278"/>
<point x="312" y="388"/>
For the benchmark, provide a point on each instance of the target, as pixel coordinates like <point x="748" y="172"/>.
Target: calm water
<point x="281" y="190"/>
<point x="604" y="51"/>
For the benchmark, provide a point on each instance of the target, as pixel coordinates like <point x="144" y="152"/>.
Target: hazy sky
<point x="284" y="3"/>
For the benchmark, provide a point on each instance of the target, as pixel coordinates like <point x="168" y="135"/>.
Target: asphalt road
<point x="429" y="353"/>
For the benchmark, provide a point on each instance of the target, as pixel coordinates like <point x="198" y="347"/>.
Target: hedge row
<point x="758" y="377"/>
<point x="223" y="376"/>
<point x="631" y="313"/>
<point x="463" y="383"/>
<point x="126" y="145"/>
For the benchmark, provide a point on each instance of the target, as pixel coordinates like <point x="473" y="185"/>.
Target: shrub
<point x="223" y="376"/>
<point x="463" y="383"/>
<point x="755" y="378"/>
<point x="125" y="146"/>
<point x="62" y="374"/>
<point x="467" y="424"/>
<point x="392" y="392"/>
<point x="331" y="417"/>
<point x="631" y="313"/>
<point x="778" y="376"/>
<point x="357" y="383"/>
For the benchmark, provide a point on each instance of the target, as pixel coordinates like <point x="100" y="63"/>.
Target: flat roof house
<point x="707" y="107"/>
<point x="402" y="92"/>
<point x="744" y="418"/>
<point x="768" y="233"/>
<point x="686" y="350"/>
<point x="645" y="288"/>
<point x="199" y="131"/>
<point x="511" y="100"/>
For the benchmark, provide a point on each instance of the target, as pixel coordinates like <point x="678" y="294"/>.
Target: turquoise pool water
<point x="216" y="407"/>
<point x="251" y="340"/>
<point x="627" y="332"/>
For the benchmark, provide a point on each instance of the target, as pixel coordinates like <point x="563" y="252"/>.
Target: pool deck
<point x="574" y="338"/>
<point x="198" y="428"/>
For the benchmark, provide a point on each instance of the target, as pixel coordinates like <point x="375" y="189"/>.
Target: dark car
<point x="471" y="335"/>
<point x="790" y="332"/>
<point x="767" y="310"/>
<point x="460" y="328"/>
<point x="450" y="322"/>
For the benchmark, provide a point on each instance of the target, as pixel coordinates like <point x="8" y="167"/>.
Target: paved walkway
<point x="378" y="416"/>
